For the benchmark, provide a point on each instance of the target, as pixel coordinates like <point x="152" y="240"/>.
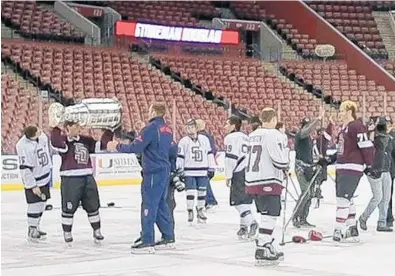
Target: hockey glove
<point x="372" y="173"/>
<point x="210" y="174"/>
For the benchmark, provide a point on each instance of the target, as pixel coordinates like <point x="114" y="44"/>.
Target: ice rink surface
<point x="212" y="249"/>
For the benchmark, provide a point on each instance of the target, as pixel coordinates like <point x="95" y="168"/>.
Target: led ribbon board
<point x="174" y="33"/>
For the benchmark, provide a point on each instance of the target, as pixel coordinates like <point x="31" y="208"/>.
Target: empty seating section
<point x="246" y="84"/>
<point x="83" y="72"/>
<point x="164" y="12"/>
<point x="254" y="11"/>
<point x="335" y="79"/>
<point x="19" y="107"/>
<point x="33" y="19"/>
<point x="355" y="20"/>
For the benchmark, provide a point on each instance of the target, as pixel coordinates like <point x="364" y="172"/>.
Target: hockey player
<point x="76" y="172"/>
<point x="267" y="163"/>
<point x="305" y="169"/>
<point x="35" y="167"/>
<point x="235" y="163"/>
<point x="154" y="143"/>
<point x="391" y="131"/>
<point x="355" y="150"/>
<point x="255" y="122"/>
<point x="196" y="159"/>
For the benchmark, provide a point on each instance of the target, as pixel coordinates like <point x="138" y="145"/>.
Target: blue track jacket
<point x="173" y="156"/>
<point x="154" y="144"/>
<point x="211" y="139"/>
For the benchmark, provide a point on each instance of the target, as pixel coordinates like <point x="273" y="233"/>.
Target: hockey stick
<point x="284" y="209"/>
<point x="294" y="186"/>
<point x="303" y="195"/>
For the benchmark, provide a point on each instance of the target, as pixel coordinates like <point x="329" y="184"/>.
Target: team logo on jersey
<point x="145" y="212"/>
<point x="69" y="205"/>
<point x="267" y="189"/>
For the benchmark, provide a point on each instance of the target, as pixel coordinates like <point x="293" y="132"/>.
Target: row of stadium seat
<point x="83" y="72"/>
<point x="31" y="18"/>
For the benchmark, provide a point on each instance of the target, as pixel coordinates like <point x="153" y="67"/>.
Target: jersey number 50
<point x="257" y="151"/>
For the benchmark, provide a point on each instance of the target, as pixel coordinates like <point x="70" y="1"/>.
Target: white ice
<point x="212" y="249"/>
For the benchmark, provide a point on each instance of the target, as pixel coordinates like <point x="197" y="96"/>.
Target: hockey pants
<point x="155" y="208"/>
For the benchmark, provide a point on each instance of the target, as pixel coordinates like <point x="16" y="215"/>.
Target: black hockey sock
<point x="94" y="219"/>
<point x="67" y="222"/>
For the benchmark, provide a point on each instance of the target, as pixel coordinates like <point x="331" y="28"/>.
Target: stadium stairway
<point x="386" y="32"/>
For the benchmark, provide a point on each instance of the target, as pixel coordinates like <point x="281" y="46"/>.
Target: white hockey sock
<point x="246" y="218"/>
<point x="201" y="198"/>
<point x="266" y="229"/>
<point x="342" y="212"/>
<point x="351" y="215"/>
<point x="190" y="199"/>
<point x="34" y="213"/>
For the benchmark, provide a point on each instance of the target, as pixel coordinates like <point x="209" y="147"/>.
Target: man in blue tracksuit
<point x="210" y="198"/>
<point x="154" y="144"/>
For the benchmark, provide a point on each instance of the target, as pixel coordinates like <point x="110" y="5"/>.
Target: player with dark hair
<point x="305" y="169"/>
<point x="35" y="167"/>
<point x="379" y="177"/>
<point x="255" y="122"/>
<point x="76" y="173"/>
<point x="235" y="164"/>
<point x="267" y="166"/>
<point x="354" y="157"/>
<point x="154" y="143"/>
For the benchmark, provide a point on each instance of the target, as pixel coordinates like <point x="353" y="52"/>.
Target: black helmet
<point x="305" y="121"/>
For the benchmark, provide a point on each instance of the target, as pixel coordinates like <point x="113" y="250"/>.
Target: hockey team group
<point x="256" y="170"/>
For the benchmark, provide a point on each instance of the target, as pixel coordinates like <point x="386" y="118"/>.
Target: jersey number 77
<point x="254" y="158"/>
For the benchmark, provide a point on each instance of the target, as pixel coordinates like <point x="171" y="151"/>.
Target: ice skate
<point x="267" y="255"/>
<point x="253" y="233"/>
<point x="390" y="224"/>
<point x="295" y="222"/>
<point x="351" y="235"/>
<point x="68" y="238"/>
<point x="43" y="235"/>
<point x="384" y="228"/>
<point x="165" y="244"/>
<point x="305" y="224"/>
<point x="362" y="224"/>
<point x="242" y="234"/>
<point x="201" y="216"/>
<point x="97" y="236"/>
<point x="190" y="217"/>
<point x="140" y="248"/>
<point x="33" y="235"/>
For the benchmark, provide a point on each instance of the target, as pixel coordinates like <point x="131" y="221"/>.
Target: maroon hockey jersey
<point x="75" y="151"/>
<point x="355" y="150"/>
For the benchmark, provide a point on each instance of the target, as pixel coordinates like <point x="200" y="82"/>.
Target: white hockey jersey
<point x="35" y="162"/>
<point x="235" y="154"/>
<point x="267" y="160"/>
<point x="195" y="156"/>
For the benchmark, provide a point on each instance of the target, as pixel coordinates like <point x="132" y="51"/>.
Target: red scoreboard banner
<point x="174" y="33"/>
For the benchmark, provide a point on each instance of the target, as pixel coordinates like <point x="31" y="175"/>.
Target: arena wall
<point x="108" y="169"/>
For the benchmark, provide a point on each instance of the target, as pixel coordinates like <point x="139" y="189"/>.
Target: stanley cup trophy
<point x="94" y="113"/>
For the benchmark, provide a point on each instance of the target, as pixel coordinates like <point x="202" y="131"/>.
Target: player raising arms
<point x="77" y="182"/>
<point x="355" y="150"/>
<point x="268" y="158"/>
<point x="196" y="159"/>
<point x="235" y="163"/>
<point x="35" y="166"/>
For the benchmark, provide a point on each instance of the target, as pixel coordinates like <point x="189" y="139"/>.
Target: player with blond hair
<point x="354" y="157"/>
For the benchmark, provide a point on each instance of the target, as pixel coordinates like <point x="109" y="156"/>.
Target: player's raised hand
<point x="112" y="146"/>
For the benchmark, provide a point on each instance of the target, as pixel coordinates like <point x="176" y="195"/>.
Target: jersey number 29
<point x="254" y="165"/>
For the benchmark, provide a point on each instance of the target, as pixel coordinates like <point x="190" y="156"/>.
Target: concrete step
<point x="386" y="32"/>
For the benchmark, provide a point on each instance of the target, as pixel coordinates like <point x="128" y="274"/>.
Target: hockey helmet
<point x="191" y="122"/>
<point x="305" y="121"/>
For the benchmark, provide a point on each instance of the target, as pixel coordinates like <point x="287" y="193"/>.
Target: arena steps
<point x="386" y="32"/>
